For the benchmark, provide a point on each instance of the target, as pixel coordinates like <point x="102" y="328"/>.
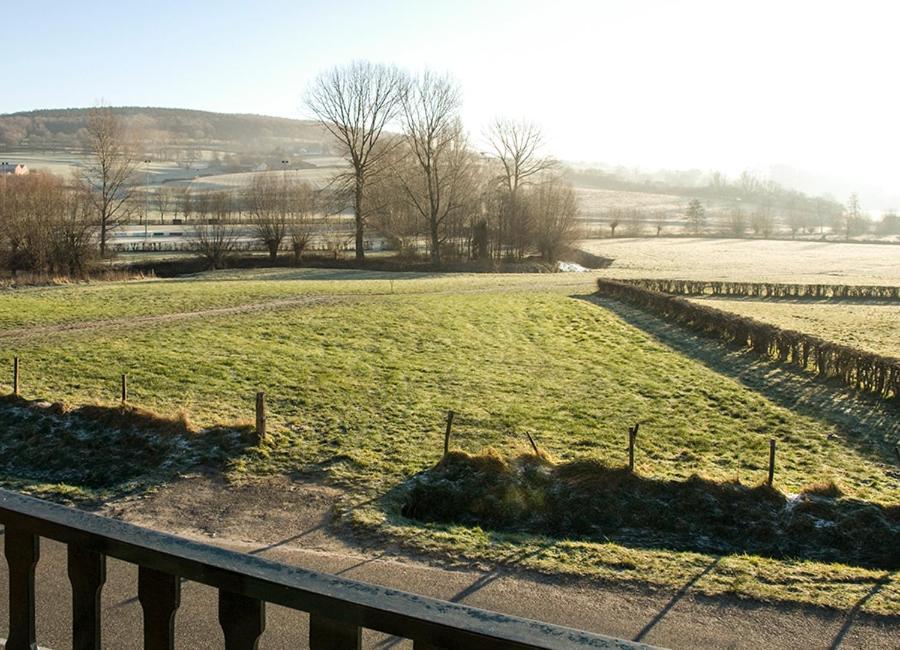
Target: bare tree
<point x="737" y="222"/>
<point x="162" y="200"/>
<point x="762" y="222"/>
<point x="660" y="221"/>
<point x="355" y="103"/>
<point x="266" y="201"/>
<point x="615" y="219"/>
<point x="75" y="235"/>
<point x="439" y="183"/>
<point x="45" y="225"/>
<point x="109" y="173"/>
<point x="633" y="222"/>
<point x="696" y="216"/>
<point x="517" y="145"/>
<point x="395" y="216"/>
<point x="301" y="205"/>
<point x="214" y="236"/>
<point x="555" y="212"/>
<point x="852" y="220"/>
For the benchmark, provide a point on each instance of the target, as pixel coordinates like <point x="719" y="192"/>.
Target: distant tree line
<point x="759" y="220"/>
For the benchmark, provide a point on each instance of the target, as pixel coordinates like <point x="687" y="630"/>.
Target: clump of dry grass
<point x="101" y="447"/>
<point x="103" y="274"/>
<point x="589" y="500"/>
<point x="828" y="489"/>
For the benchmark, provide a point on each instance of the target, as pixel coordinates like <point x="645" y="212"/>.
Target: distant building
<point x="13" y="168"/>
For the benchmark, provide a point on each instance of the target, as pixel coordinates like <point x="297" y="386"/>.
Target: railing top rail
<point x="349" y="601"/>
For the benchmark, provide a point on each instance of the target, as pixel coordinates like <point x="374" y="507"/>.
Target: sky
<point x="726" y="85"/>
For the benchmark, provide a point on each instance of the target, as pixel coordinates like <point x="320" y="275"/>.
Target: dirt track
<point x="40" y="331"/>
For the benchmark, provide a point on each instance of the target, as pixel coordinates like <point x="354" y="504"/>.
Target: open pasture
<point x="361" y="368"/>
<point x="748" y="260"/>
<point x="317" y="177"/>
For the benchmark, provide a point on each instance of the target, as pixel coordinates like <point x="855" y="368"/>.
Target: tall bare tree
<point x="517" y="145"/>
<point x="110" y="171"/>
<point x="439" y="183"/>
<point x="355" y="103"/>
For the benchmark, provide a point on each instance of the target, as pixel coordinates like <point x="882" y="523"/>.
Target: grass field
<point x="873" y="327"/>
<point x="361" y="368"/>
<point x="746" y="260"/>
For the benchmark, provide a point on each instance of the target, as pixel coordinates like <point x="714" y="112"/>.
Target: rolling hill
<point x="172" y="131"/>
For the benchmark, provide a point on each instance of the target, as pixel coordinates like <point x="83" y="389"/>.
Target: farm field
<point x="746" y="260"/>
<point x="872" y="327"/>
<point x="361" y="368"/>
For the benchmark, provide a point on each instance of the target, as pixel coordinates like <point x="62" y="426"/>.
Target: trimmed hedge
<point x="859" y="369"/>
<point x="767" y="289"/>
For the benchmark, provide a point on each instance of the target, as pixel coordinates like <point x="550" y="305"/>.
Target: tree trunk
<point x="102" y="238"/>
<point x="435" y="244"/>
<point x="357" y="204"/>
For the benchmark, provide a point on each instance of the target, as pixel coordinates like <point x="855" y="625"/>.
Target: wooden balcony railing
<point x="338" y="608"/>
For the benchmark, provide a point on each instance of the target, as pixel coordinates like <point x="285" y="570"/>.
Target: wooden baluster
<point x="22" y="551"/>
<point x="87" y="573"/>
<point x="243" y="620"/>
<point x="160" y="595"/>
<point x="328" y="634"/>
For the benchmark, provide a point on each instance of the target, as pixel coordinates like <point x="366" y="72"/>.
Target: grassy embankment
<point x="358" y="390"/>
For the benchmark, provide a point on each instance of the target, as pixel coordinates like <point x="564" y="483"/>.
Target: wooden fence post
<point x="260" y="417"/>
<point x="16" y="376"/>
<point x="450" y="415"/>
<point x="632" y="436"/>
<point x="124" y="388"/>
<point x="771" y="461"/>
<point x="534" y="446"/>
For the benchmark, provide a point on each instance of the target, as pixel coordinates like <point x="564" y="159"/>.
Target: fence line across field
<point x="259" y="433"/>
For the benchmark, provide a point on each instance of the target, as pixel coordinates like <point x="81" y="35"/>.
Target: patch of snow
<point x="570" y="267"/>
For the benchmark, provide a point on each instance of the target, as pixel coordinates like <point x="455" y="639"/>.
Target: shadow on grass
<point x="94" y="452"/>
<point x="870" y="425"/>
<point x="590" y="501"/>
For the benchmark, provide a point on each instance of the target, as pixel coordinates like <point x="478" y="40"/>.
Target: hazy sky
<point x="718" y="84"/>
